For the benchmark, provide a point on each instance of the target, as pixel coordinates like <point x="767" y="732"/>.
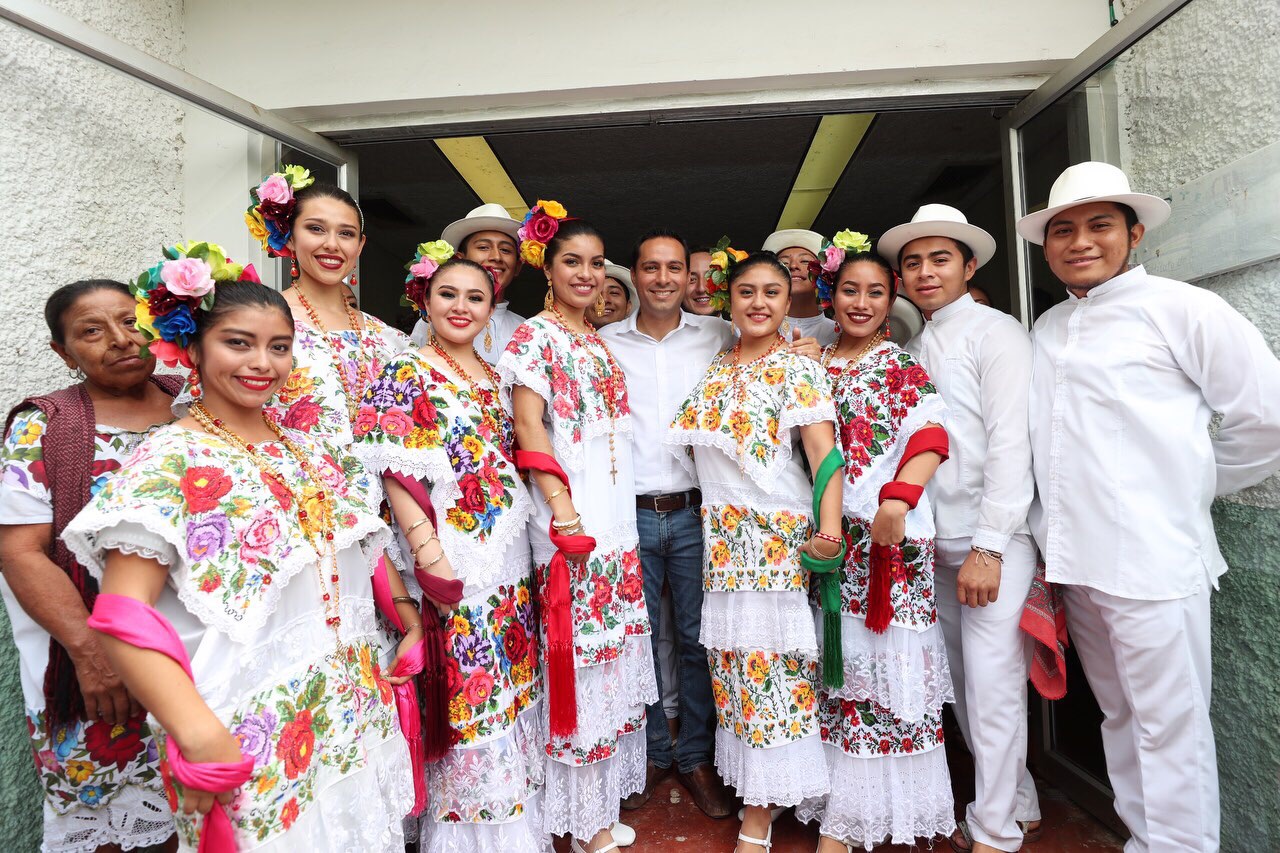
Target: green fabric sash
<point x="828" y="572"/>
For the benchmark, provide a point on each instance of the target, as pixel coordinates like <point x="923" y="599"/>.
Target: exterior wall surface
<point x="1198" y="93"/>
<point x="90" y="182"/>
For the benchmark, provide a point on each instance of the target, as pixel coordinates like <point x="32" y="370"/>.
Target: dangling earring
<point x="887" y="331"/>
<point x="549" y="301"/>
<point x="838" y="329"/>
<point x="193" y="383"/>
<point x="76" y="373"/>
<point x="488" y="339"/>
<point x="600" y="304"/>
<point x="293" y="269"/>
<point x="354" y="285"/>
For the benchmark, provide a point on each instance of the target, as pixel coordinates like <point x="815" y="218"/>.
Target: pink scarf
<point x="138" y="624"/>
<point x="406" y="694"/>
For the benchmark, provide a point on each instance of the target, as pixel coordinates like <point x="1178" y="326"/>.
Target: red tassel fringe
<point x="879" y="608"/>
<point x="433" y="688"/>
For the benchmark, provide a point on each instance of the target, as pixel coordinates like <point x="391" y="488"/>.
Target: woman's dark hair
<point x="459" y="261"/>
<point x="62" y="300"/>
<point x="568" y="230"/>
<point x="319" y="190"/>
<point x="230" y="295"/>
<point x="871" y="258"/>
<point x="755" y="259"/>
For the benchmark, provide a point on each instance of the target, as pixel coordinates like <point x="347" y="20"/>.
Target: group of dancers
<point x="333" y="588"/>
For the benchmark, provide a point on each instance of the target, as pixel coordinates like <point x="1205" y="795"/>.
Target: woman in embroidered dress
<point x="744" y="421"/>
<point x="95" y="755"/>
<point x="436" y="415"/>
<point x="573" y="427"/>
<point x="338" y="349"/>
<point x="883" y="728"/>
<point x="256" y="544"/>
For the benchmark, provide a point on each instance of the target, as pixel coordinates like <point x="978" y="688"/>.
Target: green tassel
<point x="828" y="576"/>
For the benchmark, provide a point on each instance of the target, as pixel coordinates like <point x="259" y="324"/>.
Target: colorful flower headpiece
<point x="273" y="203"/>
<point x="427" y="259"/>
<point x="833" y="252"/>
<point x="170" y="293"/>
<point x="723" y="259"/>
<point x="540" y="225"/>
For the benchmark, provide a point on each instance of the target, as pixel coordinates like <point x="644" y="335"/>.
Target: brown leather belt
<point x="671" y="502"/>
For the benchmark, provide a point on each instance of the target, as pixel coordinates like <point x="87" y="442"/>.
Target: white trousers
<point x="990" y="657"/>
<point x="1148" y="664"/>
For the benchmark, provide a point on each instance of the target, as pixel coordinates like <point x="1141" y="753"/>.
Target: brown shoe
<point x="709" y="793"/>
<point x="653" y="774"/>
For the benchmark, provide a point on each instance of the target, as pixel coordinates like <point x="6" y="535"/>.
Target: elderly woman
<point x="94" y="754"/>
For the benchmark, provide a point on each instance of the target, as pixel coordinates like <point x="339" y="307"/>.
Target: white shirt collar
<point x="1134" y="274"/>
<point x="964" y="302"/>
<point x="629" y="325"/>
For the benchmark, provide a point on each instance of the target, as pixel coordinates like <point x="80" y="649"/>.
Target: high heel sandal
<point x="577" y="847"/>
<point x="766" y="842"/>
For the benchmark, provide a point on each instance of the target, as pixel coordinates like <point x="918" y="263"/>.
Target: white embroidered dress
<point x="485" y="794"/>
<point x="243" y="591"/>
<point x="742" y="423"/>
<point x="604" y="760"/>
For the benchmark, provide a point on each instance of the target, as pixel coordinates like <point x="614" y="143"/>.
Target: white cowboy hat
<point x="785" y="239"/>
<point x="937" y="220"/>
<point x="622" y="274"/>
<point x="905" y="321"/>
<point x="1086" y="183"/>
<point x="486" y="217"/>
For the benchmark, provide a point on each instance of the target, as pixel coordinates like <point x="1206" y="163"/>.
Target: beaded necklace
<point x="318" y="530"/>
<point x="353" y="393"/>
<point x="489" y="372"/>
<point x="608" y="388"/>
<point x="739" y="379"/>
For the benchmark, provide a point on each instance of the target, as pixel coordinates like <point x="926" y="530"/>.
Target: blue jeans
<point x="671" y="550"/>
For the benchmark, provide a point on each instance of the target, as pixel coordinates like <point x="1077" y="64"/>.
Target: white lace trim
<point x="91" y="534"/>
<point x="137" y="816"/>
<point x="582" y="800"/>
<point x="611" y="695"/>
<point x="525" y="834"/>
<point x="903" y="670"/>
<point x="745" y="621"/>
<point x="896" y="798"/>
<point x="745" y="494"/>
<point x="477" y="564"/>
<point x="781" y="775"/>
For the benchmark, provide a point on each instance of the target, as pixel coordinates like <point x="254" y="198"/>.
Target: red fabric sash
<point x="883" y="557"/>
<point x="1045" y="619"/>
<point x="433" y="678"/>
<point x="406" y="694"/>
<point x="138" y="624"/>
<point x="556" y="613"/>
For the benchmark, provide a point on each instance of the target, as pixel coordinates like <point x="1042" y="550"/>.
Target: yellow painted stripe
<point x="829" y="152"/>
<point x="480" y="168"/>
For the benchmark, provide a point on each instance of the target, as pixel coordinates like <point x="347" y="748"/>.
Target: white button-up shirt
<point x="819" y="326"/>
<point x="1124" y="386"/>
<point x="980" y="361"/>
<point x="660" y="375"/>
<point x="501" y="326"/>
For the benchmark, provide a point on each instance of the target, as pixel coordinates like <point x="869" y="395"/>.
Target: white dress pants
<point x="1148" y="664"/>
<point x="990" y="657"/>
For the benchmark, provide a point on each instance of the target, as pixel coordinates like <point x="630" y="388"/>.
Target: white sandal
<point x="774" y="813"/>
<point x="766" y="842"/>
<point x="576" y="846"/>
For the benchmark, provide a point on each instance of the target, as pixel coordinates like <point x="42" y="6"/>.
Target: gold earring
<point x="488" y="339"/>
<point x="600" y="304"/>
<point x="548" y="301"/>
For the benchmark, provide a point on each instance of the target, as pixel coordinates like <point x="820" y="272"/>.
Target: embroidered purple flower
<point x="254" y="734"/>
<point x="386" y="392"/>
<point x="207" y="537"/>
<point x="472" y="651"/>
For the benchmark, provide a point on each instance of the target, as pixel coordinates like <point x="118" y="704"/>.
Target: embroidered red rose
<point x="522" y="335"/>
<point x="885" y="746"/>
<point x="863" y="431"/>
<point x="632" y="588"/>
<point x="289" y="813"/>
<point x="203" y="486"/>
<point x="103" y="466"/>
<point x="894" y="378"/>
<point x="297" y="742"/>
<point x="424" y="411"/>
<point x="917" y="375"/>
<point x="472" y="500"/>
<point x="118" y="745"/>
<point x="479" y="688"/>
<point x="907" y="745"/>
<point x="303" y="415"/>
<point x="515" y="642"/>
<point x="366" y="420"/>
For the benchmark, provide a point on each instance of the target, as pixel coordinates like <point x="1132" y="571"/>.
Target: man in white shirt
<point x="486" y="235"/>
<point x="980" y="360"/>
<point x="1127" y="376"/>
<point x="664" y="351"/>
<point x="796" y="248"/>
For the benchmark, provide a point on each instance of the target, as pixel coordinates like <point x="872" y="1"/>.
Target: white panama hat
<point x="937" y="220"/>
<point x="486" y="217"/>
<point x="1086" y="183"/>
<point x="905" y="321"/>
<point x="788" y="237"/>
<point x="622" y="274"/>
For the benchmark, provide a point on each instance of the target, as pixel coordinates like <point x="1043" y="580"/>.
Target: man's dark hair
<point x="654" y="234"/>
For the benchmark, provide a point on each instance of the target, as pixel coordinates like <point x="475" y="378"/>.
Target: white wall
<point x="329" y="59"/>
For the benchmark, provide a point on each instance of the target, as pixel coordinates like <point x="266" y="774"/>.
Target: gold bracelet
<point x="557" y="493"/>
<point x="438" y="558"/>
<point x="408" y="628"/>
<point x="416" y="525"/>
<point x="429" y="540"/>
<point x="404" y="599"/>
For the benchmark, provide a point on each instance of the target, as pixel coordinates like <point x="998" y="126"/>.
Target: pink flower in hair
<point x="276" y="190"/>
<point x="833" y="257"/>
<point x="250" y="274"/>
<point x="187" y="277"/>
<point x="424" y="268"/>
<point x="169" y="353"/>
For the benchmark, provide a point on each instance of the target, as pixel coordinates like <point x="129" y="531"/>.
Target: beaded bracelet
<point x="835" y="540"/>
<point x="567" y="525"/>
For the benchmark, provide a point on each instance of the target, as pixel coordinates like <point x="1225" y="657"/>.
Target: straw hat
<point x="486" y="217"/>
<point x="937" y="220"/>
<point x="1086" y="183"/>
<point x="785" y="239"/>
<point x="622" y="274"/>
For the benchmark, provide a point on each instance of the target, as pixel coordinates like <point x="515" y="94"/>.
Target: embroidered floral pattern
<point x="764" y="698"/>
<point x="24" y="455"/>
<point x="750" y="550"/>
<point x="867" y="729"/>
<point x="608" y="605"/>
<point x="83" y="764"/>
<point x="911" y="577"/>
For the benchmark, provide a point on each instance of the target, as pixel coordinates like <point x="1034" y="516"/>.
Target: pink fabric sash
<point x="406" y="694"/>
<point x="139" y="624"/>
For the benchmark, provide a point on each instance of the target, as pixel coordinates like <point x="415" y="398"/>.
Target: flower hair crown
<point x="832" y="256"/>
<point x="273" y="203"/>
<point x="170" y="293"/>
<point x="427" y="259"/>
<point x="723" y="259"/>
<point x="537" y="230"/>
